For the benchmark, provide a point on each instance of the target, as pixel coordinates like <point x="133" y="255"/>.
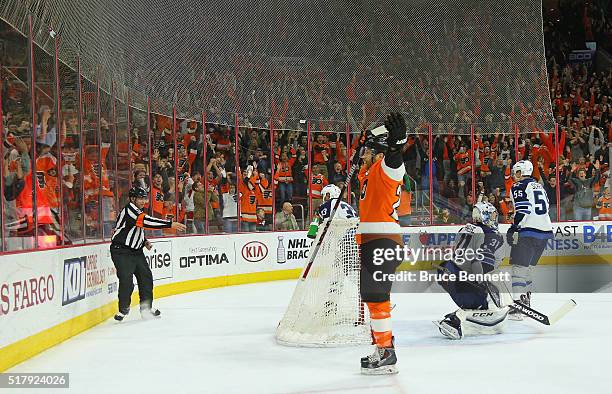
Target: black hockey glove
<point x="396" y="126"/>
<point x="510" y="235"/>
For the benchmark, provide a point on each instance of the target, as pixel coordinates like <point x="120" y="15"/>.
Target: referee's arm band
<point x="151" y="223"/>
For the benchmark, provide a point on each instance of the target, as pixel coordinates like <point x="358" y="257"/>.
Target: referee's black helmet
<point x="138" y="192"/>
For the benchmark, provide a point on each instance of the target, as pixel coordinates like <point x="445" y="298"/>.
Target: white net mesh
<point x="442" y="61"/>
<point x="326" y="309"/>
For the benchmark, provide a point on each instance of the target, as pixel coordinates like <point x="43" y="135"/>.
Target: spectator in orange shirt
<point x="508" y="181"/>
<point x="604" y="205"/>
<point x="284" y="179"/>
<point x="46" y="173"/>
<point x="248" y="201"/>
<point x="319" y="181"/>
<point x="463" y="164"/>
<point x="506" y="209"/>
<point x="169" y="213"/>
<point x="158" y="190"/>
<point x="264" y="194"/>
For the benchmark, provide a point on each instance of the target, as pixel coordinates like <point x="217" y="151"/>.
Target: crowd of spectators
<point x="269" y="175"/>
<point x="577" y="158"/>
<point x="260" y="191"/>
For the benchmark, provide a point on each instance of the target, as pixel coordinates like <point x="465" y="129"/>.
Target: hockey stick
<point x="538" y="316"/>
<point x="377" y="131"/>
<point x="542" y="318"/>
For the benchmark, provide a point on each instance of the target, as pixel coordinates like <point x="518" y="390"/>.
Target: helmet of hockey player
<point x="376" y="143"/>
<point x="524" y="166"/>
<point x="332" y="190"/>
<point x="485" y="213"/>
<point x="138" y="192"/>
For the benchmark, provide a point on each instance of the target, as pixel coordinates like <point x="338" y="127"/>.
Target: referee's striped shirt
<point x="130" y="225"/>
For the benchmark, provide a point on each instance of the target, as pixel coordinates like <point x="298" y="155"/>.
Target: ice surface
<point x="221" y="341"/>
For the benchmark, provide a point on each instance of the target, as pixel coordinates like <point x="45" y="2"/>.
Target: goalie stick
<point x="519" y="306"/>
<point x="377" y="131"/>
<point x="542" y="318"/>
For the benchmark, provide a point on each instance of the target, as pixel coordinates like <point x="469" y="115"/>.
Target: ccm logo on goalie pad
<point x="482" y="314"/>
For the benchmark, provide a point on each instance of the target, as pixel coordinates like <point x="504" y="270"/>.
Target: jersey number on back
<point x="540" y="202"/>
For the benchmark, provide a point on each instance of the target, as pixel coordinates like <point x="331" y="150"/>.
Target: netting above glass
<point x="476" y="61"/>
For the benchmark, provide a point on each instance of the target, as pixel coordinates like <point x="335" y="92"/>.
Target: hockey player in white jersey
<point x="330" y="194"/>
<point x="479" y="313"/>
<point x="529" y="231"/>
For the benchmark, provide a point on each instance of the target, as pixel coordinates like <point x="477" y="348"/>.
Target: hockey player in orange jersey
<point x="380" y="179"/>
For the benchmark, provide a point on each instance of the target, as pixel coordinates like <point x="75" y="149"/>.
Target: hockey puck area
<point x="222" y="340"/>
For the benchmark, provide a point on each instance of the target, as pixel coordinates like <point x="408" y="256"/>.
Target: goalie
<point x="480" y="310"/>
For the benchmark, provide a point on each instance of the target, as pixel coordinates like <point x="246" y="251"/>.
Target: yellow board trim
<point x="27" y="348"/>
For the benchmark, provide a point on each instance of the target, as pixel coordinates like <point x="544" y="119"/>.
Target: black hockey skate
<point x="524" y="299"/>
<point x="149" y="313"/>
<point x="381" y="362"/>
<point x="119" y="316"/>
<point x="450" y="326"/>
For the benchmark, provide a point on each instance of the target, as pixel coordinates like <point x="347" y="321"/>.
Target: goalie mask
<point x="485" y="213"/>
<point x="332" y="190"/>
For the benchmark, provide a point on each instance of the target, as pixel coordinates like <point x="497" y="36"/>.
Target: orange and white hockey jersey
<point x="379" y="198"/>
<point x="46" y="173"/>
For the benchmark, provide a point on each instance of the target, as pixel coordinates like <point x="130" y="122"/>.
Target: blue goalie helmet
<point x="486" y="214"/>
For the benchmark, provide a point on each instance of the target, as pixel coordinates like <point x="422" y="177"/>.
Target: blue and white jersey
<point x="477" y="243"/>
<point x="531" y="207"/>
<point x="344" y="211"/>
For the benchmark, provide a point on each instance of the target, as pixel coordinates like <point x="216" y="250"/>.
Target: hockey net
<point x="326" y="308"/>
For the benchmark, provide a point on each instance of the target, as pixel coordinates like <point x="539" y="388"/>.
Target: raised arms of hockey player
<point x="396" y="126"/>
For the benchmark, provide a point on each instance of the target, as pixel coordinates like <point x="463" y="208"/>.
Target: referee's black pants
<point x="128" y="263"/>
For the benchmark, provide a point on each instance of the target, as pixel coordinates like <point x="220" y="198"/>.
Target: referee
<point x="126" y="252"/>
